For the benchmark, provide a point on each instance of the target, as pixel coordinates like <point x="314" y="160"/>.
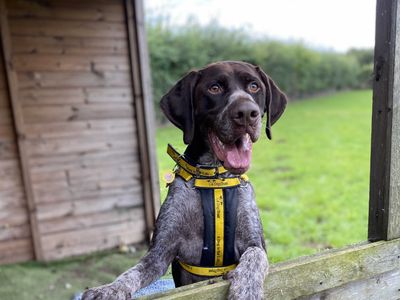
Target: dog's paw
<point x="110" y="291"/>
<point x="244" y="286"/>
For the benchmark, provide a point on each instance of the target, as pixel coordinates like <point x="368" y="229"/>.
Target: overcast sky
<point x="326" y="24"/>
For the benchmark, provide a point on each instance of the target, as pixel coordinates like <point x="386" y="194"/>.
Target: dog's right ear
<point x="177" y="105"/>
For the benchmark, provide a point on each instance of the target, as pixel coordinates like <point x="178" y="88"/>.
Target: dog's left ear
<point x="177" y="105"/>
<point x="275" y="102"/>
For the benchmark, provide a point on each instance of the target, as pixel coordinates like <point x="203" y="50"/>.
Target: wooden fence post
<point x="384" y="213"/>
<point x="144" y="108"/>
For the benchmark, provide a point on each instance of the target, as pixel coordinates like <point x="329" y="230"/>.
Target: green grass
<point x="312" y="179"/>
<point x="311" y="183"/>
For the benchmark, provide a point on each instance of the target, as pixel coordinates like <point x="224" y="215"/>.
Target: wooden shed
<point x="77" y="165"/>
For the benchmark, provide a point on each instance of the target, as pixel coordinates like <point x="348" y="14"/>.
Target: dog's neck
<point x="198" y="152"/>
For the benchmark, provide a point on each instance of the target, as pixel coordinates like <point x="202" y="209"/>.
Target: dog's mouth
<point x="235" y="157"/>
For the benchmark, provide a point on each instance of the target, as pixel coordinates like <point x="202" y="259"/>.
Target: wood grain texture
<point x="144" y="109"/>
<point x="75" y="114"/>
<point x="394" y="189"/>
<point x="307" y="276"/>
<point x="18" y="190"/>
<point x="384" y="220"/>
<point x="383" y="286"/>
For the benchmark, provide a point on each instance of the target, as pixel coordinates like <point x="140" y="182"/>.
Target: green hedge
<point x="298" y="70"/>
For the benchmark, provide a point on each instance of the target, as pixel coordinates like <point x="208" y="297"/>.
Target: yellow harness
<point x="208" y="178"/>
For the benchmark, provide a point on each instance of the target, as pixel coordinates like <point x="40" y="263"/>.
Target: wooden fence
<point x="77" y="167"/>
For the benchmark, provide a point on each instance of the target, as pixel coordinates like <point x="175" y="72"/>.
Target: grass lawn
<point x="311" y="182"/>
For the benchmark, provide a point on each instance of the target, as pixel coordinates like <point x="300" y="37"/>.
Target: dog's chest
<point x="192" y="220"/>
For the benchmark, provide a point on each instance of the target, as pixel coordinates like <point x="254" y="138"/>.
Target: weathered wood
<point x="69" y="45"/>
<point x="92" y="239"/>
<point x="307" y="276"/>
<point x="51" y="28"/>
<point x="79" y="145"/>
<point x="93" y="190"/>
<point x="143" y="107"/>
<point x="394" y="189"/>
<point x="12" y="85"/>
<point x="94" y="205"/>
<point x="33" y="9"/>
<point x="73" y="79"/>
<point x="64" y="113"/>
<point x="35" y="97"/>
<point x="16" y="251"/>
<point x="45" y="62"/>
<point x="383" y="286"/>
<point x="90" y="220"/>
<point x="384" y="216"/>
<point x="12" y="232"/>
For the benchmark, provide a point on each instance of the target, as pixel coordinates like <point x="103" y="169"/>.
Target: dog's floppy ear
<point x="275" y="101"/>
<point x="177" y="105"/>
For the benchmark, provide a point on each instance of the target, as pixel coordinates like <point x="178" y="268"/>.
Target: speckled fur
<point x="179" y="226"/>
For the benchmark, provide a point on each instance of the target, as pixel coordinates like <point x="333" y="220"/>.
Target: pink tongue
<point x="236" y="157"/>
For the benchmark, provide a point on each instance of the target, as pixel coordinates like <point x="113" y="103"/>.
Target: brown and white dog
<point x="219" y="109"/>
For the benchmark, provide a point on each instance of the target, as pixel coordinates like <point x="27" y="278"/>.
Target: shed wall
<point x="75" y="96"/>
<point x="15" y="237"/>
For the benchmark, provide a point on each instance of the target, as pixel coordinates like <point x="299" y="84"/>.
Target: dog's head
<point x="223" y="104"/>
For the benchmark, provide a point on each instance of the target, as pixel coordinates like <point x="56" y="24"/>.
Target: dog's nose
<point x="245" y="113"/>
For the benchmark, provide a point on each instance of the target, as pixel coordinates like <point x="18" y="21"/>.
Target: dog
<point x="219" y="109"/>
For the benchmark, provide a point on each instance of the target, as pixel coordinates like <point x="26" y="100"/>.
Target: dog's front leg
<point x="247" y="280"/>
<point x="152" y="266"/>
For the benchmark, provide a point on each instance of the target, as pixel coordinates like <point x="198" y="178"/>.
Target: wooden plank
<point x="64" y="96"/>
<point x="13" y="216"/>
<point x="384" y="219"/>
<point x="64" y="113"/>
<point x="69" y="45"/>
<point x="100" y="189"/>
<point x="45" y="164"/>
<point x="91" y="244"/>
<point x="14" y="232"/>
<point x="46" y="62"/>
<point x="12" y="198"/>
<point x="394" y="189"/>
<point x="307" y="275"/>
<point x="8" y="150"/>
<point x="51" y="28"/>
<point x="4" y="102"/>
<point x="32" y="9"/>
<point x="49" y="211"/>
<point x="72" y="223"/>
<point x="382" y="286"/>
<point x="12" y="85"/>
<point x="143" y="106"/>
<point x="16" y="251"/>
<point x="72" y="79"/>
<point x="95" y="236"/>
<point x="81" y="128"/>
<point x="79" y="145"/>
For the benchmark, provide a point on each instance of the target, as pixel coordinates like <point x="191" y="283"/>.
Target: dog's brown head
<point x="220" y="107"/>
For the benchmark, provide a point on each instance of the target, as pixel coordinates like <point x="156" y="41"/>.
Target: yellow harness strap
<point x="205" y="172"/>
<point x="187" y="172"/>
<point x="207" y="271"/>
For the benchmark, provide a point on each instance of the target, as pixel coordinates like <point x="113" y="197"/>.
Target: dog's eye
<point x="253" y="87"/>
<point x="215" y="89"/>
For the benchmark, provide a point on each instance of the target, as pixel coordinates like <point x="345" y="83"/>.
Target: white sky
<point x="327" y="24"/>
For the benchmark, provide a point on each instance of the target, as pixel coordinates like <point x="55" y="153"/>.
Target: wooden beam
<point x="306" y="276"/>
<point x="384" y="214"/>
<point x="144" y="108"/>
<point x="12" y="83"/>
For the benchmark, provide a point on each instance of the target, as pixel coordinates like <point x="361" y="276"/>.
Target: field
<point x="311" y="183"/>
